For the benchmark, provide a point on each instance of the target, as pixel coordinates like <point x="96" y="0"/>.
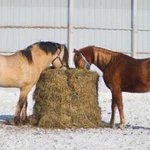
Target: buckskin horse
<point x="121" y="73"/>
<point x="23" y="68"/>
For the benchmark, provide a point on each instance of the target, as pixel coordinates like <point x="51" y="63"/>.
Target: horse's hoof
<point x="25" y="121"/>
<point x="122" y="126"/>
<point x="17" y="121"/>
<point x="112" y="126"/>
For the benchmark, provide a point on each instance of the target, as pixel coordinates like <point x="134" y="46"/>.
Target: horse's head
<point x="80" y="60"/>
<point x="60" y="57"/>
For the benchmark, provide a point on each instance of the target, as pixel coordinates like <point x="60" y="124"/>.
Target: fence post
<point x="70" y="33"/>
<point x="134" y="28"/>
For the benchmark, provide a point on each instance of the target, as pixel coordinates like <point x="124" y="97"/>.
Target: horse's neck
<point x="102" y="59"/>
<point x="41" y="59"/>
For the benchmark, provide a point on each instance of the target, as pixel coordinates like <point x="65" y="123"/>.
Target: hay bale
<point x="66" y="99"/>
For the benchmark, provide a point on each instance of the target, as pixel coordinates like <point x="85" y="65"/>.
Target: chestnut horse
<point x="121" y="73"/>
<point x="23" y="68"/>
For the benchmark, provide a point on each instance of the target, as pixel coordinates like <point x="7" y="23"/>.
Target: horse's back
<point x="131" y="75"/>
<point x="14" y="70"/>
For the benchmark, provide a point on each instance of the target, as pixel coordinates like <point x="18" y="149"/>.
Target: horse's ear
<point x="75" y="51"/>
<point x="62" y="47"/>
<point x="59" y="50"/>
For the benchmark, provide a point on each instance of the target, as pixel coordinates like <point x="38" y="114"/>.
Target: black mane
<point x="66" y="55"/>
<point x="27" y="53"/>
<point x="49" y="46"/>
<point x="52" y="47"/>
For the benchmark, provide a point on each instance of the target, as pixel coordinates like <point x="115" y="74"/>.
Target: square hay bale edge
<point x="67" y="99"/>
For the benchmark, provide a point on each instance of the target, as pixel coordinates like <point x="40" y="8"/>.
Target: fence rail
<point x="119" y="25"/>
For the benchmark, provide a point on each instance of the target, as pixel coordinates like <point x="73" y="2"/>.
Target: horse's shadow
<point x="129" y="126"/>
<point x="137" y="127"/>
<point x="6" y="117"/>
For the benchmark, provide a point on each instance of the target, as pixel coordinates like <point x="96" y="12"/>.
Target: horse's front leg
<point x="24" y="112"/>
<point x="117" y="98"/>
<point x="22" y="103"/>
<point x="113" y="113"/>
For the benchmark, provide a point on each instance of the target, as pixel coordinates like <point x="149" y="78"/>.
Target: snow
<point x="135" y="136"/>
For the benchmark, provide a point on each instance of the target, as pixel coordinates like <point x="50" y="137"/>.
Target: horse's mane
<point x="66" y="55"/>
<point x="52" y="47"/>
<point x="47" y="47"/>
<point x="102" y="50"/>
<point x="27" y="53"/>
<point x="108" y="52"/>
<point x="95" y="54"/>
<point x="90" y="50"/>
<point x="105" y="55"/>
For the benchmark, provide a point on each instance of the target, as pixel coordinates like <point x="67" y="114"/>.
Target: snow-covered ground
<point x="136" y="136"/>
